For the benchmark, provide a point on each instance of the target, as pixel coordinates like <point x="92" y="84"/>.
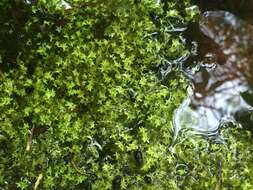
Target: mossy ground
<point x="83" y="105"/>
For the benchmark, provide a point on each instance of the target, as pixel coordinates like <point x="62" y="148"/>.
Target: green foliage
<point x="83" y="105"/>
<point x="205" y="164"/>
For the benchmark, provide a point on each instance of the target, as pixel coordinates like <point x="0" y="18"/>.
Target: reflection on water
<point x="242" y="8"/>
<point x="224" y="73"/>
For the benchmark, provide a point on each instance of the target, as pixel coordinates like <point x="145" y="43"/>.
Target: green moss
<point x="83" y="106"/>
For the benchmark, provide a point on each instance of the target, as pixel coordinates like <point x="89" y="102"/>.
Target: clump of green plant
<point x="220" y="163"/>
<point x="86" y="103"/>
<point x="82" y="103"/>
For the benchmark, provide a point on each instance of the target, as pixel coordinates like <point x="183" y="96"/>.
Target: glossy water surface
<point x="222" y="81"/>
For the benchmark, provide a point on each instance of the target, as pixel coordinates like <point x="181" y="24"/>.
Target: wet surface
<point x="241" y="8"/>
<point x="222" y="76"/>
